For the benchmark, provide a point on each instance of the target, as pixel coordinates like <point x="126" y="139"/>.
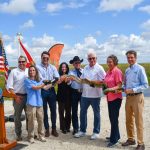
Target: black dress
<point x="64" y="106"/>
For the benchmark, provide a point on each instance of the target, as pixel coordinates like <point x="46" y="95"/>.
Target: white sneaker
<point x="94" y="136"/>
<point x="31" y="140"/>
<point x="42" y="139"/>
<point x="79" y="134"/>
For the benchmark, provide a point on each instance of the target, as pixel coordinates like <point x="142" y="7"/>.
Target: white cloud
<point x="68" y="26"/>
<point x="28" y="24"/>
<point x="117" y="5"/>
<point x="18" y="6"/>
<point x="115" y="44"/>
<point x="6" y="38"/>
<point x="58" y="6"/>
<point x="145" y="9"/>
<point x="146" y="25"/>
<point x="54" y="7"/>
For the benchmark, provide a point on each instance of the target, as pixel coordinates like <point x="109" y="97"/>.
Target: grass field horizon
<point x="122" y="66"/>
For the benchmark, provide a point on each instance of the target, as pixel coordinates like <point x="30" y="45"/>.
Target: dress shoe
<point x="19" y="138"/>
<point x="64" y="131"/>
<point x="74" y="132"/>
<point x="47" y="133"/>
<point x="129" y="142"/>
<point x="140" y="147"/>
<point x="54" y="133"/>
<point x="68" y="130"/>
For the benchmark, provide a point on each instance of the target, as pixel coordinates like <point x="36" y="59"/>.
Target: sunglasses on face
<point x="21" y="62"/>
<point x="91" y="58"/>
<point x="45" y="58"/>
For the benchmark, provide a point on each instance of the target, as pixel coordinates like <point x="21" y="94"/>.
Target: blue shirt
<point x="135" y="78"/>
<point x="33" y="96"/>
<point x="74" y="84"/>
<point x="47" y="73"/>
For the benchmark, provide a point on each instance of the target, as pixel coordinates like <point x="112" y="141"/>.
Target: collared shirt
<point x="47" y="73"/>
<point x="135" y="78"/>
<point x="112" y="79"/>
<point x="95" y="72"/>
<point x="16" y="80"/>
<point x="74" y="84"/>
<point x="34" y="97"/>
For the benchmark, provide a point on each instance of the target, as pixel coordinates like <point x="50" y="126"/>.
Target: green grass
<point x="123" y="67"/>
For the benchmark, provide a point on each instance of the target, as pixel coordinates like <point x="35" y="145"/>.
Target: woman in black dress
<point x="64" y="101"/>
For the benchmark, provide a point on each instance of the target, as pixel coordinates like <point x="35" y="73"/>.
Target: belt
<point x="133" y="94"/>
<point x="77" y="90"/>
<point x="20" y="94"/>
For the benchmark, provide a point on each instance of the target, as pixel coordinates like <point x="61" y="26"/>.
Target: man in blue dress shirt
<point x="135" y="82"/>
<point x="76" y="91"/>
<point x="48" y="72"/>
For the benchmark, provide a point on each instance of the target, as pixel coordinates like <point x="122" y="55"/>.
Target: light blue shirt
<point x="74" y="84"/>
<point x="47" y="73"/>
<point x="34" y="97"/>
<point x="135" y="78"/>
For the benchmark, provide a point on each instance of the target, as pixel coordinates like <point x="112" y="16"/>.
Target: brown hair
<point x="21" y="56"/>
<point x="37" y="77"/>
<point x="114" y="59"/>
<point x="45" y="52"/>
<point x="132" y="52"/>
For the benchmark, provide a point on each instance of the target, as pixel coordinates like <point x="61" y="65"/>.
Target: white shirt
<point x="95" y="72"/>
<point x="16" y="80"/>
<point x="47" y="73"/>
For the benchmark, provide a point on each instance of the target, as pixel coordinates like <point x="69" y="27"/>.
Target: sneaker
<point x="94" y="136"/>
<point x="42" y="139"/>
<point x="79" y="134"/>
<point x="31" y="140"/>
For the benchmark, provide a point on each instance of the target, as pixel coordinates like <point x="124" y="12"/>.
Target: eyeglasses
<point x="21" y="62"/>
<point x="91" y="58"/>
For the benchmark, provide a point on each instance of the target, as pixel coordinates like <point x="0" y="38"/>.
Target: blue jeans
<point x="75" y="100"/>
<point x="85" y="103"/>
<point x="49" y="97"/>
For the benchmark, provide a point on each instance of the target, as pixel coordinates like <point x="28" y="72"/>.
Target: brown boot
<point x="54" y="133"/>
<point x="47" y="133"/>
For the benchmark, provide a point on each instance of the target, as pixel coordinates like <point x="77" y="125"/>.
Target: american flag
<point x="4" y="67"/>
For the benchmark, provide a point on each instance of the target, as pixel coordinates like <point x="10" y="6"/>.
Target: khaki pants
<point x="32" y="113"/>
<point x="134" y="109"/>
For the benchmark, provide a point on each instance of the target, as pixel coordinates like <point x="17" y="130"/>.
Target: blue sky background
<point x="105" y="26"/>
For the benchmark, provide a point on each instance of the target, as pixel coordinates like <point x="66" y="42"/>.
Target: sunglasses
<point x="91" y="58"/>
<point x="45" y="58"/>
<point x="21" y="62"/>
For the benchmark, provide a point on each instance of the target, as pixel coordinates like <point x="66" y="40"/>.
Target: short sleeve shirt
<point x="34" y="97"/>
<point x="112" y="79"/>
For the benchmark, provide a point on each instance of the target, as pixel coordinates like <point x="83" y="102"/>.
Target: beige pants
<point x="33" y="113"/>
<point x="134" y="110"/>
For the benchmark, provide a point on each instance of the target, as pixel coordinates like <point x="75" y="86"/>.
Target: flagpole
<point x="19" y="35"/>
<point x="5" y="144"/>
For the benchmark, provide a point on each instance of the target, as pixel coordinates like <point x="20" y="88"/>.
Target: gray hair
<point x="91" y="52"/>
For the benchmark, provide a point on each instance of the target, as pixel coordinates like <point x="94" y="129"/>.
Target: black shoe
<point x="107" y="138"/>
<point x="68" y="130"/>
<point x="111" y="144"/>
<point x="64" y="131"/>
<point x="74" y="132"/>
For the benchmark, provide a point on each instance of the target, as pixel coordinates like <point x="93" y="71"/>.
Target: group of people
<point x="34" y="95"/>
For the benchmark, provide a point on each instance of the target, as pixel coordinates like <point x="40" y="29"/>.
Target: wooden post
<point x="5" y="144"/>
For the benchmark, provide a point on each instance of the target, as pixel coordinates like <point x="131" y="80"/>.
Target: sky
<point x="104" y="26"/>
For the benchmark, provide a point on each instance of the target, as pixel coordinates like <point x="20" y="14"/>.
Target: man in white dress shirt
<point x="91" y="96"/>
<point x="15" y="84"/>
